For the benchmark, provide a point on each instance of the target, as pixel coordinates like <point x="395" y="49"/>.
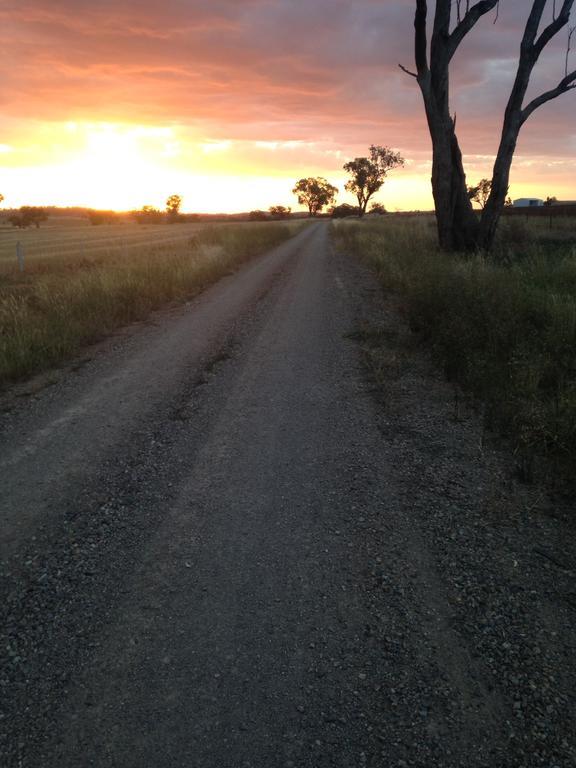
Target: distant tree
<point x="315" y="193"/>
<point x="481" y="192"/>
<point x="369" y="173"/>
<point x="1" y="199"/>
<point x="148" y="214"/>
<point x="378" y="208"/>
<point x="16" y="220"/>
<point x="173" y="208"/>
<point x="28" y="216"/>
<point x="280" y="211"/>
<point x="258" y="216"/>
<point x="103" y="217"/>
<point x="344" y="210"/>
<point x="549" y="202"/>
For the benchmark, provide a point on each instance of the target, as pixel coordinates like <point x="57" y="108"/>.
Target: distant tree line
<point x="28" y="216"/>
<point x="148" y="214"/>
<point x="367" y="175"/>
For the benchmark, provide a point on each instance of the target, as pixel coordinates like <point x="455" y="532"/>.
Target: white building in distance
<point x="528" y="202"/>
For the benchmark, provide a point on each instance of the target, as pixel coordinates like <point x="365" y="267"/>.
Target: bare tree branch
<point x="554" y="27"/>
<point x="533" y="25"/>
<point x="568" y="48"/>
<point x="442" y="16"/>
<point x="530" y="50"/>
<point x="421" y="41"/>
<point x="408" y="72"/>
<point x="469" y="20"/>
<point x="567" y="83"/>
<point x="459" y="9"/>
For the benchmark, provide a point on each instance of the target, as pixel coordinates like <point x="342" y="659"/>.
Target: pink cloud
<point x="264" y="70"/>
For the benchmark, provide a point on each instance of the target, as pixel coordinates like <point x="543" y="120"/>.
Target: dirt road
<point x="221" y="550"/>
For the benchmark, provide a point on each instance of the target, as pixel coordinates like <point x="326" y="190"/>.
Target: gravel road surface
<point x="226" y="544"/>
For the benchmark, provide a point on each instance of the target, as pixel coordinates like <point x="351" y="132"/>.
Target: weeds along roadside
<point x="46" y="315"/>
<point x="504" y="329"/>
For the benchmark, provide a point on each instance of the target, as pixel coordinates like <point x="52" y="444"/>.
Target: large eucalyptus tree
<point x="459" y="228"/>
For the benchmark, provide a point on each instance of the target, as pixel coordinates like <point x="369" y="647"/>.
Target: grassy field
<point x="73" y="242"/>
<point x="81" y="282"/>
<point x="503" y="328"/>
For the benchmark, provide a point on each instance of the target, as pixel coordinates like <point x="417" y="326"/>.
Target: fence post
<point x="20" y="255"/>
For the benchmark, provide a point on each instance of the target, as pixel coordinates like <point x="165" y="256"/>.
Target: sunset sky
<point x="229" y="102"/>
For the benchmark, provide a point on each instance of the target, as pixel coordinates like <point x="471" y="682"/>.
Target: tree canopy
<point x="481" y="192"/>
<point x="315" y="193"/>
<point x="378" y="208"/>
<point x="369" y="173"/>
<point x="258" y="215"/>
<point x="280" y="211"/>
<point x="173" y="207"/>
<point x="148" y="214"/>
<point x="28" y="216"/>
<point x="344" y="210"/>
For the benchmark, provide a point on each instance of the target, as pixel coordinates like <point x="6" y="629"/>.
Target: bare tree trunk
<point x="455" y="218"/>
<point x="456" y="221"/>
<point x="458" y="224"/>
<point x="500" y="181"/>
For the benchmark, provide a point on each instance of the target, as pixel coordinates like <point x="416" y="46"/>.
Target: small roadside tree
<point x="344" y="210"/>
<point x="258" y="215"/>
<point x="378" y="208"/>
<point x="315" y="193"/>
<point x="148" y="214"/>
<point x="481" y="192"/>
<point x="96" y="217"/>
<point x="549" y="202"/>
<point x="173" y="208"/>
<point x="280" y="211"/>
<point x="458" y="225"/>
<point x="17" y="221"/>
<point x="28" y="216"/>
<point x="369" y="173"/>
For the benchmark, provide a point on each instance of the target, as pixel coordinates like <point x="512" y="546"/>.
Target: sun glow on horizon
<point x="123" y="167"/>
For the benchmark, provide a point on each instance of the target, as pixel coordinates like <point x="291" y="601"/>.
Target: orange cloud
<point x="290" y="87"/>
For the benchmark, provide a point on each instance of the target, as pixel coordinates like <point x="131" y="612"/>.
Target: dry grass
<point x="505" y="328"/>
<point x="80" y="283"/>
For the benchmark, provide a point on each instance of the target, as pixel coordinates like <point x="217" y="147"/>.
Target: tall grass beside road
<point x="505" y="329"/>
<point x="57" y="305"/>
